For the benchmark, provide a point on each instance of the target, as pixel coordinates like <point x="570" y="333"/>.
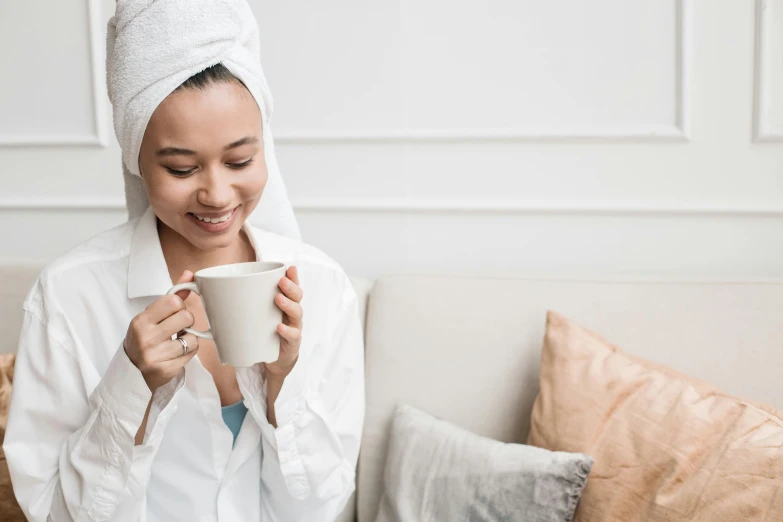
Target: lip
<point x="213" y="228"/>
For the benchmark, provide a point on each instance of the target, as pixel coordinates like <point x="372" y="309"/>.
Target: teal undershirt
<point x="233" y="415"/>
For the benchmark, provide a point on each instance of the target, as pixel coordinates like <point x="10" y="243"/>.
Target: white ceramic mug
<point x="239" y="300"/>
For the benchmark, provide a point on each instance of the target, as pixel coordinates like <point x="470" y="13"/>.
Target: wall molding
<point x="431" y="206"/>
<point x="98" y="69"/>
<point x="59" y="204"/>
<point x="96" y="39"/>
<point x="642" y="133"/>
<point x="680" y="131"/>
<point x="762" y="131"/>
<point x="684" y="35"/>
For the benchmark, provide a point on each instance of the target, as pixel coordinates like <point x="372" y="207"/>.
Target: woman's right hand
<point x="148" y="342"/>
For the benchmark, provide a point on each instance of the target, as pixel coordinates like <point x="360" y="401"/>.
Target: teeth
<point x="220" y="219"/>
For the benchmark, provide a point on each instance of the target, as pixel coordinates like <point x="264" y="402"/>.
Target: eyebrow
<point x="244" y="141"/>
<point x="178" y="151"/>
<point x="175" y="151"/>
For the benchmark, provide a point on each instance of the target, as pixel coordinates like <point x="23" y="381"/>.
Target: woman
<point x="115" y="414"/>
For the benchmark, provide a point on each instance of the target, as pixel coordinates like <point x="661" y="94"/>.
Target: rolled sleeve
<point x="72" y="456"/>
<point x="313" y="451"/>
<point x="290" y="402"/>
<point x="124" y="390"/>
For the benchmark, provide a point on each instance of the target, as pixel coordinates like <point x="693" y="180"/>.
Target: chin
<point x="224" y="240"/>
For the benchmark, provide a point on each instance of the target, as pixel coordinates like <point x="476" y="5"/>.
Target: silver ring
<point x="184" y="344"/>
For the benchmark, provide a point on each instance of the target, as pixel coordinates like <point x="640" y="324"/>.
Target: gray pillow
<point x="436" y="471"/>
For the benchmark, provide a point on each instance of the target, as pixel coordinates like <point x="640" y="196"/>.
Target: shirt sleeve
<point x="71" y="452"/>
<point x="309" y="460"/>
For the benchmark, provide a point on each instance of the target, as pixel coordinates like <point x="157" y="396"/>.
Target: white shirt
<point x="78" y="400"/>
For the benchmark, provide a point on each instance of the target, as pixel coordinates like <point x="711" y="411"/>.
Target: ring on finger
<point x="184" y="344"/>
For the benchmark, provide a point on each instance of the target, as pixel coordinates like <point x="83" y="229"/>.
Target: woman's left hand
<point x="290" y="329"/>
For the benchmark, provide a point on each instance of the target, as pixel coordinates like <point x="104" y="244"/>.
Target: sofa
<point x="467" y="348"/>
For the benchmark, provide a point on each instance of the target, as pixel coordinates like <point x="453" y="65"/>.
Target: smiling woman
<point x="117" y="413"/>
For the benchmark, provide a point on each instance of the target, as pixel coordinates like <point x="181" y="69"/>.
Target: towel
<point x="152" y="47"/>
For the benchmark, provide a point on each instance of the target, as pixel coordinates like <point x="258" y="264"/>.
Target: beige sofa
<point x="467" y="348"/>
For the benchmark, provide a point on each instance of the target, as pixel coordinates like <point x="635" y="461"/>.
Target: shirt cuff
<point x="124" y="390"/>
<point x="164" y="405"/>
<point x="290" y="402"/>
<point x="290" y="405"/>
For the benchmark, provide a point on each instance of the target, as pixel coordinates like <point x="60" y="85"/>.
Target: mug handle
<point x="193" y="287"/>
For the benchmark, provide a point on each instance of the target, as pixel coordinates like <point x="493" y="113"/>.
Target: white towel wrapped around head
<point x="153" y="46"/>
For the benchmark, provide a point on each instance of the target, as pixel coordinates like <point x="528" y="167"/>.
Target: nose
<point x="215" y="190"/>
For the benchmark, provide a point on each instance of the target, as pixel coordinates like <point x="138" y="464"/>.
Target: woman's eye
<point x="180" y="172"/>
<point x="241" y="165"/>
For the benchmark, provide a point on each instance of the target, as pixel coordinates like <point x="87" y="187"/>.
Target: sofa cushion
<point x="438" y="471"/>
<point x="668" y="448"/>
<point x="16" y="280"/>
<point x="467" y="349"/>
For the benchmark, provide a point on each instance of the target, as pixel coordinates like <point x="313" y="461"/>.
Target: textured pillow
<point x="667" y="447"/>
<point x="9" y="509"/>
<point x="436" y="471"/>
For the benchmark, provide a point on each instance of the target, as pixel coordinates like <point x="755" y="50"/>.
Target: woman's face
<point x="202" y="160"/>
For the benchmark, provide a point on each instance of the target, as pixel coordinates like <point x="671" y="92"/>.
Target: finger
<point x="164" y="307"/>
<point x="186" y="277"/>
<point x="290" y="334"/>
<point x="290" y="308"/>
<point x="173" y="349"/>
<point x="174" y="365"/>
<point x="173" y="324"/>
<point x="291" y="289"/>
<point x="293" y="274"/>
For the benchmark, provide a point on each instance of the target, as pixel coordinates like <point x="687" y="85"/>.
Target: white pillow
<point x="436" y="471"/>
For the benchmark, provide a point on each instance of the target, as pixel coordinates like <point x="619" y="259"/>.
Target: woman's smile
<point x="214" y="222"/>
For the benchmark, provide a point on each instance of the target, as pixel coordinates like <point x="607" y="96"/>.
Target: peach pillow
<point x="667" y="447"/>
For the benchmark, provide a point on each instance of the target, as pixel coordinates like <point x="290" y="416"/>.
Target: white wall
<point x="568" y="138"/>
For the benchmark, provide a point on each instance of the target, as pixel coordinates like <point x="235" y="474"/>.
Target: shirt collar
<point x="148" y="274"/>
